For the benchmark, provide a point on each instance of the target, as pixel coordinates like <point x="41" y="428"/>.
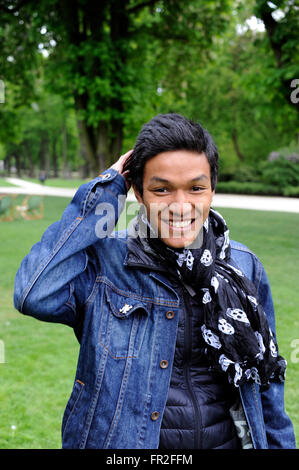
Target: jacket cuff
<point x="112" y="175"/>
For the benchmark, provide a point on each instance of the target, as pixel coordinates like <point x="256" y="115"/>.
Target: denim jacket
<point x="125" y="317"/>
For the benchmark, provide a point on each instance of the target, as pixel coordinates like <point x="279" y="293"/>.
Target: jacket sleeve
<point x="279" y="428"/>
<point x="58" y="274"/>
<point x="277" y="425"/>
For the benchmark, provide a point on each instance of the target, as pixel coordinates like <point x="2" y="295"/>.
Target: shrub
<point x="237" y="187"/>
<point x="291" y="191"/>
<point x="242" y="174"/>
<point x="280" y="173"/>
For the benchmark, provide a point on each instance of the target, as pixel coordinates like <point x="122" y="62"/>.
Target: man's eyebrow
<point x="201" y="177"/>
<point x="163" y="180"/>
<point x="158" y="179"/>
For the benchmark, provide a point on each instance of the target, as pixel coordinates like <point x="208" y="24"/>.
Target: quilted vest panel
<point x="197" y="414"/>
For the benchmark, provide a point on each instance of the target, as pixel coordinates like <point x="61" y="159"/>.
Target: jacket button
<point x="155" y="415"/>
<point x="169" y="315"/>
<point x="164" y="364"/>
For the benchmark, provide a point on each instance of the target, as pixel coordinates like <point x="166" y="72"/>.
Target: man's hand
<point x="119" y="165"/>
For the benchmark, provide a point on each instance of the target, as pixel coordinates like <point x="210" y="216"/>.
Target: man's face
<point x="177" y="195"/>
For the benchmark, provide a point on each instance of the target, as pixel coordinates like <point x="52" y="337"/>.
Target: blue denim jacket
<point x="126" y="319"/>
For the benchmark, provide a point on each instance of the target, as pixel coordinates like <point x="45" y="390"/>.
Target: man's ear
<point x="137" y="194"/>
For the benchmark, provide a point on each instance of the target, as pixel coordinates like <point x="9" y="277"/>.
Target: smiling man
<point x="177" y="193"/>
<point x="175" y="321"/>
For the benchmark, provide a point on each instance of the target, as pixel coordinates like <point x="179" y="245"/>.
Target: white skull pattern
<point x="225" y="327"/>
<point x="253" y="374"/>
<point x="187" y="257"/>
<point x="238" y="374"/>
<point x="207" y="296"/>
<point x="224" y="362"/>
<point x="215" y="283"/>
<point x="273" y="349"/>
<point x="206" y="258"/>
<point x="253" y="301"/>
<point x="261" y="344"/>
<point x="237" y="314"/>
<point x="210" y="337"/>
<point x="189" y="260"/>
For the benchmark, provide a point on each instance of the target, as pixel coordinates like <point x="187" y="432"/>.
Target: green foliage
<point x="278" y="177"/>
<point x="281" y="23"/>
<point x="116" y="64"/>
<point x="236" y="187"/>
<point x="291" y="191"/>
<point x="280" y="173"/>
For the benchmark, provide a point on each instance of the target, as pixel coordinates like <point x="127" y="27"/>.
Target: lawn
<point x="59" y="182"/>
<point x="4" y="183"/>
<point x="40" y="358"/>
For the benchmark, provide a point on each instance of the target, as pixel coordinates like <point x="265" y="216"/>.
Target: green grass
<point x="40" y="358"/>
<point x="60" y="182"/>
<point x="4" y="183"/>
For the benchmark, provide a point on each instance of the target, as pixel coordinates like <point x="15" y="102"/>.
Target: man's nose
<point x="180" y="204"/>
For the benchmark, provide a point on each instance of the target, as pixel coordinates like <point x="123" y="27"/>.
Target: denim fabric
<point x="125" y="316"/>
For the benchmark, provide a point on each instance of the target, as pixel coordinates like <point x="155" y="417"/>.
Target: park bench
<point x="6" y="207"/>
<point x="31" y="208"/>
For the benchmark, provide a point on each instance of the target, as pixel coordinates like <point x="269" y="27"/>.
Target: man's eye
<point x="160" y="190"/>
<point x="197" y="188"/>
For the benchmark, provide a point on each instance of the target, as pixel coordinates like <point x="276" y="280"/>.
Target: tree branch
<point x="19" y="5"/>
<point x="141" y="5"/>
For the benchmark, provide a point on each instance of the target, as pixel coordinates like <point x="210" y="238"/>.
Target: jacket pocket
<point x="124" y="320"/>
<point x="72" y="406"/>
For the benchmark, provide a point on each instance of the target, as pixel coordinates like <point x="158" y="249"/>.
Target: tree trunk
<point x="86" y="134"/>
<point x="54" y="158"/>
<point x="234" y="136"/>
<point x="65" y="170"/>
<point x="7" y="164"/>
<point x="102" y="146"/>
<point x="116" y="140"/>
<point x="18" y="164"/>
<point x="31" y="172"/>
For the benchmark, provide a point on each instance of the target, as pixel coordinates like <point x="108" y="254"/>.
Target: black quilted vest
<point x="197" y="414"/>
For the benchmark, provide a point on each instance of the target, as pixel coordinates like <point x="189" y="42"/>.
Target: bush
<point x="291" y="191"/>
<point x="280" y="173"/>
<point x="242" y="174"/>
<point x="237" y="187"/>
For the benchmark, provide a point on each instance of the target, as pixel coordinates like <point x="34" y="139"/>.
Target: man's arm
<point x="58" y="274"/>
<point x="279" y="428"/>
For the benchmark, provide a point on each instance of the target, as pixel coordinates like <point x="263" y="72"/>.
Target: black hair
<point x="169" y="132"/>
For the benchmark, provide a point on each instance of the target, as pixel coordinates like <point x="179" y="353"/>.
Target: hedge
<point x="236" y="187"/>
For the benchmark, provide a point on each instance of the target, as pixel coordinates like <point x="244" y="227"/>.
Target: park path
<point x="238" y="201"/>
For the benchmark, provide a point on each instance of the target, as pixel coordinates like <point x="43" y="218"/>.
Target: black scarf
<point x="235" y="328"/>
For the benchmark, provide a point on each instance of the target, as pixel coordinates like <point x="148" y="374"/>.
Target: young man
<point x="175" y="322"/>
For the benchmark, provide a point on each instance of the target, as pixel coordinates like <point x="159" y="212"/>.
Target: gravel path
<point x="239" y="201"/>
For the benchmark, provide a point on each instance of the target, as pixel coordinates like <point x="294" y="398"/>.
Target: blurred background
<point x="78" y="79"/>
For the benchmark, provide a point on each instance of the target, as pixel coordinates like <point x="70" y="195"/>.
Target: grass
<point x="59" y="182"/>
<point x="40" y="358"/>
<point x="4" y="183"/>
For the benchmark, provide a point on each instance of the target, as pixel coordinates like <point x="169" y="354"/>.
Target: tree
<point x="92" y="47"/>
<point x="281" y="19"/>
<point x="230" y="93"/>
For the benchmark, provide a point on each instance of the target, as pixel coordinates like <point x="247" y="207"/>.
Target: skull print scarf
<point x="235" y="328"/>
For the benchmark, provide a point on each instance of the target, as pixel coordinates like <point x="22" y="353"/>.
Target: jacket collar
<point x="139" y="253"/>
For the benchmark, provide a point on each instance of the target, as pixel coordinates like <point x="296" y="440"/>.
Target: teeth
<point x="181" y="224"/>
